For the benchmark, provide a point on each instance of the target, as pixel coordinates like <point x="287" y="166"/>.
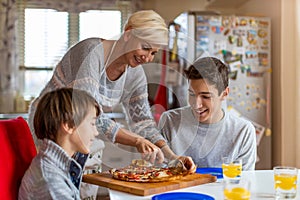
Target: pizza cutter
<point x="176" y="166"/>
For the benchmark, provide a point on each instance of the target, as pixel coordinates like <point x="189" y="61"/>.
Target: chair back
<point x="17" y="150"/>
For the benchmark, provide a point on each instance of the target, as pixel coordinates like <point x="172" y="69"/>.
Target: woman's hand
<point x="150" y="152"/>
<point x="186" y="160"/>
<point x="188" y="163"/>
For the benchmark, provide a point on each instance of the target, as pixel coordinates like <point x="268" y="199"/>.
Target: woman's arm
<point x="137" y="108"/>
<point x="115" y="133"/>
<point x="149" y="150"/>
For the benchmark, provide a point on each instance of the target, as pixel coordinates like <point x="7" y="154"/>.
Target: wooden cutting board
<point x="144" y="189"/>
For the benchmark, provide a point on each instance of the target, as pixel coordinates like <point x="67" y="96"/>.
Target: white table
<point x="262" y="188"/>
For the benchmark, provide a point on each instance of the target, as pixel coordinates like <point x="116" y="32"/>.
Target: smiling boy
<point x="203" y="130"/>
<point x="64" y="121"/>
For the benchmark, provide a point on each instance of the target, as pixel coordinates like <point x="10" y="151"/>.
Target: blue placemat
<point x="213" y="171"/>
<point x="182" y="196"/>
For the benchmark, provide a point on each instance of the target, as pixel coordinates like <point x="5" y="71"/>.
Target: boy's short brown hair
<point x="65" y="105"/>
<point x="214" y="71"/>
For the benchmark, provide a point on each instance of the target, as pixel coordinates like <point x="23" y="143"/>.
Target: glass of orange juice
<point x="232" y="169"/>
<point x="237" y="191"/>
<point x="285" y="182"/>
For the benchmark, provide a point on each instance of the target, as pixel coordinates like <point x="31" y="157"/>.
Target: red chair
<point x="17" y="150"/>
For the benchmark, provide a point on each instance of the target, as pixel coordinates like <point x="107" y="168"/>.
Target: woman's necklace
<point x="114" y="72"/>
<point x="113" y="69"/>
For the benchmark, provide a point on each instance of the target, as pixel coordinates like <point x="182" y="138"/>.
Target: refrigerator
<point x="242" y="42"/>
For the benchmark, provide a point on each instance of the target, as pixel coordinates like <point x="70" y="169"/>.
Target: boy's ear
<point x="225" y="93"/>
<point x="66" y="128"/>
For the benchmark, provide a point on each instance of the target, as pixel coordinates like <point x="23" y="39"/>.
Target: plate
<point x="182" y="196"/>
<point x="213" y="171"/>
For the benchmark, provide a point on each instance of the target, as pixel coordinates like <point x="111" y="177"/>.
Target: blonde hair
<point x="149" y="26"/>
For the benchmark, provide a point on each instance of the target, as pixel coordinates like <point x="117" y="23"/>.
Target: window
<point x="94" y="23"/>
<point x="46" y="37"/>
<point x="46" y="34"/>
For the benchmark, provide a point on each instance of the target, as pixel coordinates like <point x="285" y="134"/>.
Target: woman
<point x="110" y="70"/>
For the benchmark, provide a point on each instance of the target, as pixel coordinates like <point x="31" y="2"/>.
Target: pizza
<point x="142" y="171"/>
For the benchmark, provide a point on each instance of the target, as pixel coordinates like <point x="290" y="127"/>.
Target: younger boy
<point x="203" y="130"/>
<point x="65" y="122"/>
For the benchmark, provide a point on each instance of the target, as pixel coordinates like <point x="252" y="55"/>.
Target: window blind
<point x="100" y="23"/>
<point x="46" y="36"/>
<point x="46" y="29"/>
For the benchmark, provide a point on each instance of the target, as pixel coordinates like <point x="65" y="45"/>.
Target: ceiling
<point x="225" y="3"/>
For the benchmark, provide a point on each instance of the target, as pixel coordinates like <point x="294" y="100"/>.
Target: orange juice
<point x="237" y="193"/>
<point x="232" y="170"/>
<point x="285" y="181"/>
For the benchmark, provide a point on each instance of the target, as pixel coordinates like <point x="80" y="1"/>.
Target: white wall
<point x="288" y="137"/>
<point x="169" y="9"/>
<point x="297" y="45"/>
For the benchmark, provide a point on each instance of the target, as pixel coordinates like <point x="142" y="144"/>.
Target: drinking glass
<point x="237" y="191"/>
<point x="285" y="182"/>
<point x="232" y="169"/>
